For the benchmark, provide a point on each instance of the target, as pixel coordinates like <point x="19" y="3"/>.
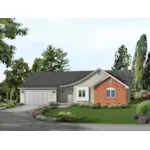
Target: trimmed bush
<point x="84" y="105"/>
<point x="75" y="104"/>
<point x="143" y="108"/>
<point x="53" y="103"/>
<point x="104" y="105"/>
<point x="95" y="106"/>
<point x="144" y="119"/>
<point x="124" y="106"/>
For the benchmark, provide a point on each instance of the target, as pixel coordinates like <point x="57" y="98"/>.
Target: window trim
<point x="111" y="89"/>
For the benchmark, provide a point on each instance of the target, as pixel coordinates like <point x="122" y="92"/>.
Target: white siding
<point x="94" y="79"/>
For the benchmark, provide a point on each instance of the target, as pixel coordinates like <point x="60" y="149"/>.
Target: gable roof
<point x="54" y="79"/>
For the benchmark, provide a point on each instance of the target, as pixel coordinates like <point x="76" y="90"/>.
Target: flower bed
<point x="60" y="117"/>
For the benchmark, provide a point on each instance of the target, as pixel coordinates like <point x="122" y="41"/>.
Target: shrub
<point x="53" y="103"/>
<point x="143" y="108"/>
<point x="137" y="96"/>
<point x="75" y="104"/>
<point x="60" y="114"/>
<point x="124" y="106"/>
<point x="95" y="106"/>
<point x="44" y="109"/>
<point x="144" y="119"/>
<point x="143" y="94"/>
<point x="148" y="95"/>
<point x="44" y="118"/>
<point x="66" y="117"/>
<point x="104" y="106"/>
<point x="136" y="116"/>
<point x="36" y="112"/>
<point x="5" y="101"/>
<point x="84" y="105"/>
<point x="1" y="98"/>
<point x="15" y="102"/>
<point x="9" y="105"/>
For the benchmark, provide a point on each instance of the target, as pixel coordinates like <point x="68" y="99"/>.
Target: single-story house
<point x="99" y="86"/>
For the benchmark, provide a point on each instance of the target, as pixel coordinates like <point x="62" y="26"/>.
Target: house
<point x="99" y="86"/>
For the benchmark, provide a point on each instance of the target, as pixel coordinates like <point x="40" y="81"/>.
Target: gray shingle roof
<point x="54" y="79"/>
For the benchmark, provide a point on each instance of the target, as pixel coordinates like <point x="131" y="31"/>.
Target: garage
<point x="38" y="97"/>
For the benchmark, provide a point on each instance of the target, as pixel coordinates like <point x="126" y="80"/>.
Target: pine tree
<point x="54" y="59"/>
<point x="122" y="59"/>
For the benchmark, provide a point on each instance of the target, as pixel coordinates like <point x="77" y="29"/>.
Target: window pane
<point x="79" y="93"/>
<point x="107" y="93"/>
<point x="83" y="94"/>
<point x="113" y="93"/>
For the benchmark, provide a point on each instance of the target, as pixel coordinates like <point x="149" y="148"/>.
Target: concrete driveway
<point x="20" y="119"/>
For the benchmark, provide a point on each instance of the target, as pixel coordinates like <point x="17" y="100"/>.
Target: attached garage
<point x="37" y="97"/>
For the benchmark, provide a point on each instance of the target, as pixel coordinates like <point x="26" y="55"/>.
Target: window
<point x="110" y="92"/>
<point x="81" y="93"/>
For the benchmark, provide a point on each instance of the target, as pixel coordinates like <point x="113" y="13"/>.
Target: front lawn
<point x="104" y="115"/>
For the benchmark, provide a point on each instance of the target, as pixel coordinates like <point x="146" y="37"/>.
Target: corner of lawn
<point x="106" y="115"/>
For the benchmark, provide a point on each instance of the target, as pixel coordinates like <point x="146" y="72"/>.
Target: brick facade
<point x="100" y="92"/>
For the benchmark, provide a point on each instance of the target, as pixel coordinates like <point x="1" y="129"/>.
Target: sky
<point x="90" y="43"/>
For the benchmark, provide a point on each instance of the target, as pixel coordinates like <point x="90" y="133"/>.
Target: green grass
<point x="105" y="115"/>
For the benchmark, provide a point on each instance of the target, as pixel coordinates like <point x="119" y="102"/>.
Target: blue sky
<point x="90" y="43"/>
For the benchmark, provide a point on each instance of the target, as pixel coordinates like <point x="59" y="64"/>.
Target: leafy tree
<point x="37" y="65"/>
<point x="9" y="28"/>
<point x="14" y="77"/>
<point x="18" y="73"/>
<point x="147" y="72"/>
<point x="54" y="59"/>
<point x="122" y="59"/>
<point x="140" y="62"/>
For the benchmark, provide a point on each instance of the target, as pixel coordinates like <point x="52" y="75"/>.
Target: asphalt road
<point x="20" y="119"/>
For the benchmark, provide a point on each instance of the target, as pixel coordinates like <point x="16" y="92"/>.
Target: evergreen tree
<point x="54" y="59"/>
<point x="147" y="72"/>
<point x="140" y="62"/>
<point x="122" y="59"/>
<point x="37" y="65"/>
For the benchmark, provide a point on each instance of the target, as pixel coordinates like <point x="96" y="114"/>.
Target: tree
<point x="17" y="75"/>
<point x="37" y="65"/>
<point x="54" y="59"/>
<point x="147" y="72"/>
<point x="134" y="84"/>
<point x="9" y="29"/>
<point x="140" y="62"/>
<point x="122" y="59"/>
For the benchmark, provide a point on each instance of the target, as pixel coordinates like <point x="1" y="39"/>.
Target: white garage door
<point x="42" y="97"/>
